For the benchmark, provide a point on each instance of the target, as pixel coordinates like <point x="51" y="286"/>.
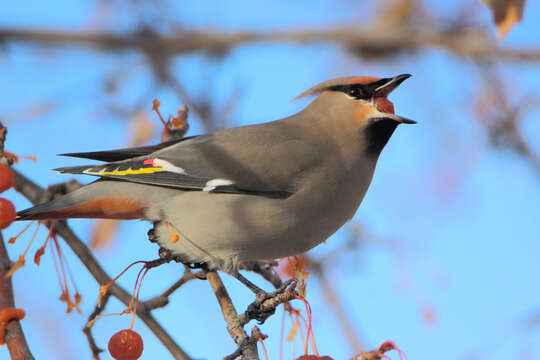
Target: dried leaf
<point x="15" y="266"/>
<point x="102" y="290"/>
<point x="506" y="13"/>
<point x="180" y="121"/>
<point x="292" y="333"/>
<point x="301" y="287"/>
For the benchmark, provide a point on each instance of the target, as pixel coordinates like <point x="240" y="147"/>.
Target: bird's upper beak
<point x="386" y="88"/>
<point x="389" y="84"/>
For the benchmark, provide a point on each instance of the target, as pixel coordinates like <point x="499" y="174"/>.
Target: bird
<point x="247" y="193"/>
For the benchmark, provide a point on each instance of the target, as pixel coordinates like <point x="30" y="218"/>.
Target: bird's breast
<point x="329" y="202"/>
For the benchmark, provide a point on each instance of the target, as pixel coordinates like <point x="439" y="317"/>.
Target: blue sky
<point x="464" y="216"/>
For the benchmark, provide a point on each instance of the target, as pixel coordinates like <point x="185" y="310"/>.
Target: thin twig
<point x="503" y="120"/>
<point x="343" y="319"/>
<point x="163" y="299"/>
<point x="87" y="330"/>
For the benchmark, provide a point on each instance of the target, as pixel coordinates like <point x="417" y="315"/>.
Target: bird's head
<point x="361" y="103"/>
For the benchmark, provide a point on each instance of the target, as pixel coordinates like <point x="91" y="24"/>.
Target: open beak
<point x="390" y="84"/>
<point x="386" y="88"/>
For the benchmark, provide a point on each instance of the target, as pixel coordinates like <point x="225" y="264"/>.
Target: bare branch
<point x="87" y="330"/>
<point x="15" y="340"/>
<point x="502" y="120"/>
<point x="14" y="336"/>
<point x="343" y="319"/>
<point x="378" y="353"/>
<point x="248" y="347"/>
<point x="470" y="43"/>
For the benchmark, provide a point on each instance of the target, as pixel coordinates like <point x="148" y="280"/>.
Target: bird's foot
<point x="152" y="237"/>
<point x="202" y="266"/>
<point x="257" y="311"/>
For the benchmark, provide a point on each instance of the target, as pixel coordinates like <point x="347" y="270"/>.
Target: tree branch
<point x="15" y="340"/>
<point x="36" y="194"/>
<point x="470" y="43"/>
<point x="13" y="334"/>
<point x="248" y="347"/>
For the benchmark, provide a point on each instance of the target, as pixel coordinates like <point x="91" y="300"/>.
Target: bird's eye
<point x="357" y="92"/>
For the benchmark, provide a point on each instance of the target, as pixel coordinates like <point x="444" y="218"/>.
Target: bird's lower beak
<point x="390" y="84"/>
<point x="399" y="119"/>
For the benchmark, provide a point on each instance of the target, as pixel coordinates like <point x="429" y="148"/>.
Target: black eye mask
<point x="363" y="92"/>
<point x="359" y="91"/>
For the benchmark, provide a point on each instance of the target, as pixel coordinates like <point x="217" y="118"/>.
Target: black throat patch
<point x="378" y="133"/>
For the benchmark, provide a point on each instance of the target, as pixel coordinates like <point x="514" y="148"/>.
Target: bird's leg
<point x="152" y="235"/>
<point x="202" y="266"/>
<point x="254" y="309"/>
<point x="251" y="286"/>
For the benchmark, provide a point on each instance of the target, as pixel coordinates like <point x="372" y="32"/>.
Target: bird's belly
<point x="225" y="226"/>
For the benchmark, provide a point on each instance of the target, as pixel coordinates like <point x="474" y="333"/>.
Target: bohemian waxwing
<point x="248" y="193"/>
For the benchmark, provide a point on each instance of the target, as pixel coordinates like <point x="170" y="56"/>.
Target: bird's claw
<point x="255" y="310"/>
<point x="152" y="237"/>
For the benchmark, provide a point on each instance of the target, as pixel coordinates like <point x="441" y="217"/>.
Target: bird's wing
<point x="124" y="154"/>
<point x="240" y="160"/>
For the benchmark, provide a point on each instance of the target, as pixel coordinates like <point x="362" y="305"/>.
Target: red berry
<point x="126" y="345"/>
<point x="7" y="179"/>
<point x="7" y="213"/>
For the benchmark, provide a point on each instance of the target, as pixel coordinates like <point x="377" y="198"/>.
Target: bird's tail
<point x="101" y="199"/>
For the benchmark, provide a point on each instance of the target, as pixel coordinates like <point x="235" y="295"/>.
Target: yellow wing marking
<point x="148" y="170"/>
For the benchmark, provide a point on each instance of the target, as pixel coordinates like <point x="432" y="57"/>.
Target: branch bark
<point x="15" y="340"/>
<point x="13" y="334"/>
<point x="470" y="43"/>
<point x="248" y="347"/>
